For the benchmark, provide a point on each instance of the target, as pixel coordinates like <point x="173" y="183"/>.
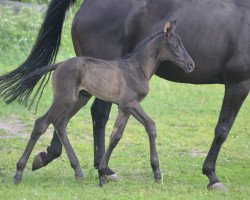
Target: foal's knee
<point x="39" y="128"/>
<point x="60" y="127"/>
<point x="115" y="138"/>
<point x="221" y="133"/>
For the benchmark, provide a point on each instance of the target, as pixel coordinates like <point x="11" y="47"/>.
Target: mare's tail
<point x="43" y="52"/>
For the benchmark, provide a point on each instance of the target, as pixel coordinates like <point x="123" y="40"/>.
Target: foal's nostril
<point x="191" y="66"/>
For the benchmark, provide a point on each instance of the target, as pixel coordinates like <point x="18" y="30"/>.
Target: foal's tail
<point x="43" y="52"/>
<point x="30" y="81"/>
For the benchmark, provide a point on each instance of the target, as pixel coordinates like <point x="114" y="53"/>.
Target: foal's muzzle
<point x="190" y="67"/>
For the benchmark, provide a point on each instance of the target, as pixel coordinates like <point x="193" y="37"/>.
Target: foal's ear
<point x="169" y="27"/>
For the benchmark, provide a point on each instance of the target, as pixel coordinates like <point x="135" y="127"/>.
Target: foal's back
<point x="100" y="78"/>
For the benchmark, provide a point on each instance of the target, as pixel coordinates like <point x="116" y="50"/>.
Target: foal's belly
<point x="103" y="83"/>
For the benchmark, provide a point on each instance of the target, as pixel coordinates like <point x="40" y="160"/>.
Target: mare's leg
<point x="235" y="95"/>
<point x="100" y="114"/>
<point x="116" y="135"/>
<point x="135" y="109"/>
<point x="55" y="148"/>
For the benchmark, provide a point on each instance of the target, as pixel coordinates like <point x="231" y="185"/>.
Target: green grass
<point x="185" y="116"/>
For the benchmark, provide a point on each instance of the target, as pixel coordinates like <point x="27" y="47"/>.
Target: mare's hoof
<point x="79" y="179"/>
<point x="38" y="162"/>
<point x="218" y="187"/>
<point x="16" y="180"/>
<point x="102" y="181"/>
<point x="158" y="180"/>
<point x="114" y="177"/>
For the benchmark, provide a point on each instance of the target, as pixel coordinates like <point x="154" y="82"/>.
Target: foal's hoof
<point x="79" y="179"/>
<point x="218" y="187"/>
<point x="16" y="180"/>
<point x="158" y="180"/>
<point x="114" y="177"/>
<point x="157" y="177"/>
<point x="38" y="162"/>
<point x="102" y="181"/>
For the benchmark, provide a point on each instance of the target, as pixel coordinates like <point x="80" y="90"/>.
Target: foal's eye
<point x="176" y="48"/>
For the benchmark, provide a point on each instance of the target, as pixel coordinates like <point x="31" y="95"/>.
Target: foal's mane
<point x="141" y="45"/>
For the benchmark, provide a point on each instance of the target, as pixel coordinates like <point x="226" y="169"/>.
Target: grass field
<point x="185" y="116"/>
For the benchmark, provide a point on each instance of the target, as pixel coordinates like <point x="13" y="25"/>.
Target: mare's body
<point x="216" y="33"/>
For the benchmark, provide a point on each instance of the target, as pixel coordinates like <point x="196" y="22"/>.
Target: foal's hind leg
<point x="55" y="150"/>
<point x="60" y="127"/>
<point x="235" y="95"/>
<point x="40" y="127"/>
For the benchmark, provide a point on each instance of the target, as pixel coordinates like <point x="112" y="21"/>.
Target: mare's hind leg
<point x="116" y="135"/>
<point x="235" y="95"/>
<point x="40" y="127"/>
<point x="55" y="149"/>
<point x="100" y="113"/>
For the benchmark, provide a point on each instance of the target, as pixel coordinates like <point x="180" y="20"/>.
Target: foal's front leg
<point x="135" y="109"/>
<point x="116" y="135"/>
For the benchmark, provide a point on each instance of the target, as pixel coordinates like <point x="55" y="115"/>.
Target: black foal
<point x="123" y="81"/>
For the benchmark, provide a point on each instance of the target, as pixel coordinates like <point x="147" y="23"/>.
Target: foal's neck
<point x="147" y="58"/>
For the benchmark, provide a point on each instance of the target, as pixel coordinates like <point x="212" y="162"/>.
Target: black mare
<point x="110" y="28"/>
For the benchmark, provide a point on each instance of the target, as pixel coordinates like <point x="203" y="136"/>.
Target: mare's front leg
<point x="135" y="109"/>
<point x="235" y="94"/>
<point x="116" y="135"/>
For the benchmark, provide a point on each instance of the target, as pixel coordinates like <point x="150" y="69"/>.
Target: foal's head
<point x="174" y="50"/>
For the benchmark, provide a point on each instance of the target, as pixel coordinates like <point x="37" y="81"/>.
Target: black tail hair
<point x="43" y="52"/>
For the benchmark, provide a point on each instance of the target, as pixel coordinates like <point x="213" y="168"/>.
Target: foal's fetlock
<point x="102" y="181"/>
<point x="217" y="187"/>
<point x="79" y="179"/>
<point x="17" y="178"/>
<point x="78" y="174"/>
<point x="102" y="176"/>
<point x="39" y="161"/>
